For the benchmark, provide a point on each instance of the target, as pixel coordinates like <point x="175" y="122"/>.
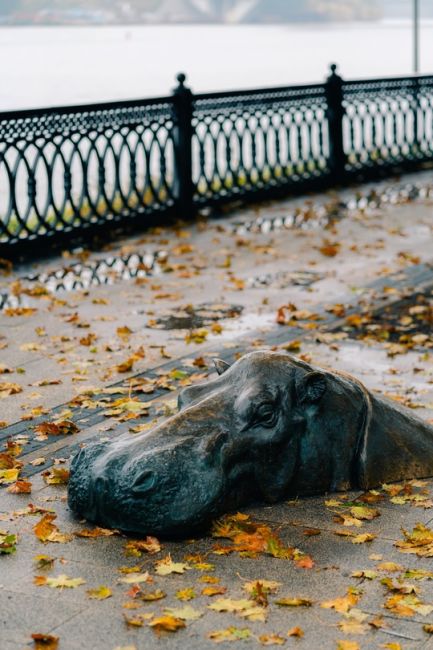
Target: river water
<point x="48" y="66"/>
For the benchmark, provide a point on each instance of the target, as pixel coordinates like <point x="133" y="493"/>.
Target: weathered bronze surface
<point x="266" y="428"/>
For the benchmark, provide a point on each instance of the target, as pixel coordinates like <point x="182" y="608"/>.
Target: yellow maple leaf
<point x="186" y="613"/>
<point x="294" y="602"/>
<point x="101" y="593"/>
<point x="46" y="531"/>
<point x="166" y="566"/>
<point x="230" y="634"/>
<point x="60" y="582"/>
<point x="185" y="594"/>
<point x="166" y="624"/>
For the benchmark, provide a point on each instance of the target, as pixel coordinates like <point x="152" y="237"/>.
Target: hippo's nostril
<point x="144" y="482"/>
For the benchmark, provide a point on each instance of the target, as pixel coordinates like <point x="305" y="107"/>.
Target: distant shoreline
<point x="297" y="23"/>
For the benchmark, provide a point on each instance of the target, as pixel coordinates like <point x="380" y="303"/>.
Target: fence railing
<point x="66" y="171"/>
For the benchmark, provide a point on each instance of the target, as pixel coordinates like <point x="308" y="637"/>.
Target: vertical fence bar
<point x="334" y="114"/>
<point x="182" y="138"/>
<point x="415" y="109"/>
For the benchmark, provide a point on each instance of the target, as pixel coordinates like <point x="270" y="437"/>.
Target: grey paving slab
<point x="22" y="615"/>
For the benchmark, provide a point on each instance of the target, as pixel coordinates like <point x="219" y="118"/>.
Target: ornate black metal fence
<point x="65" y="171"/>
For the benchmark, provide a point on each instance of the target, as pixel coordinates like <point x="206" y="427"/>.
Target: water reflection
<point x="82" y="276"/>
<point x="310" y="215"/>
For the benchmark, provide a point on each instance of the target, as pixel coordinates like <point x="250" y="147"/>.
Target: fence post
<point x="182" y="136"/>
<point x="334" y="114"/>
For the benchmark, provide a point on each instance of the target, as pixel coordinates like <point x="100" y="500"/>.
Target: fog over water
<point x="47" y="66"/>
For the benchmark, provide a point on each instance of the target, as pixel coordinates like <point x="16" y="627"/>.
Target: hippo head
<point x="236" y="439"/>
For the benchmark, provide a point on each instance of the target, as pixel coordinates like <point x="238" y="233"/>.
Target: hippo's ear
<point x="221" y="366"/>
<point x="311" y="387"/>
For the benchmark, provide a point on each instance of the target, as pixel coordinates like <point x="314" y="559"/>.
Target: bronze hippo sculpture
<point x="268" y="427"/>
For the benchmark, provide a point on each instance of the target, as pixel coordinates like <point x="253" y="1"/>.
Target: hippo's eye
<point x="266" y="415"/>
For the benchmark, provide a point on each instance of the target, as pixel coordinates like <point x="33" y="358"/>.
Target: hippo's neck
<point x="396" y="446"/>
<point x="332" y="438"/>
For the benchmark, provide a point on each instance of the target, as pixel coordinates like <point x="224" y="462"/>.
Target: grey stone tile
<point x="23" y="614"/>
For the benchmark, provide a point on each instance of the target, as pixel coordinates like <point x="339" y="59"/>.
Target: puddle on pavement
<point x="192" y="317"/>
<point x="408" y="322"/>
<point x="285" y="279"/>
<point x="81" y="276"/>
<point x="320" y="214"/>
<point x="233" y="321"/>
<point x="245" y="324"/>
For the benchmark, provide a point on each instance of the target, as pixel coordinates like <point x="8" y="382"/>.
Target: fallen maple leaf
<point x="363" y="538"/>
<point x="44" y="561"/>
<point x="329" y="249"/>
<point x="150" y="596"/>
<point x="407" y="605"/>
<point x="185" y="594"/>
<point x="271" y="639"/>
<point x="347" y="645"/>
<point x="166" y="566"/>
<point x="419" y="541"/>
<point x="62" y="427"/>
<point x="136" y="578"/>
<point x="101" y="593"/>
<point x="56" y="476"/>
<point x="186" y="613"/>
<point x="166" y="624"/>
<point x="45" y="641"/>
<point x="8" y="542"/>
<point x="20" y="487"/>
<point x="9" y="388"/>
<point x="9" y="475"/>
<point x="342" y="604"/>
<point x="296" y="631"/>
<point x="213" y="591"/>
<point x="230" y="634"/>
<point x="294" y="602"/>
<point x="60" y="582"/>
<point x="138" y="620"/>
<point x="364" y="512"/>
<point x="46" y="531"/>
<point x="137" y="547"/>
<point x="96" y="532"/>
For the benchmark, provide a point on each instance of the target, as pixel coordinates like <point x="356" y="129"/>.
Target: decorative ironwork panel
<point x="425" y="117"/>
<point x="68" y="168"/>
<point x="387" y="122"/>
<point x="251" y="141"/>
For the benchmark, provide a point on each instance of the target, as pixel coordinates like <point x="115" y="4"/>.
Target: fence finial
<point x="181" y="78"/>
